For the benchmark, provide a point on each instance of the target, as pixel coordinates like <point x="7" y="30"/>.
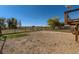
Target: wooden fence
<point x="11" y="31"/>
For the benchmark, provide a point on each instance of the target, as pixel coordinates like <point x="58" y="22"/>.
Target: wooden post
<point x="1" y="50"/>
<point x="0" y="31"/>
<point x="76" y="35"/>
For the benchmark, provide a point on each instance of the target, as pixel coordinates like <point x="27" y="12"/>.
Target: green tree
<point x="12" y="23"/>
<point x="2" y="22"/>
<point x="61" y="23"/>
<point x="54" y="22"/>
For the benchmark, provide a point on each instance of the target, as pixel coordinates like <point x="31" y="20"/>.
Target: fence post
<point x="76" y="35"/>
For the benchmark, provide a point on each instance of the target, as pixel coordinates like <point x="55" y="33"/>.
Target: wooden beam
<point x="76" y="36"/>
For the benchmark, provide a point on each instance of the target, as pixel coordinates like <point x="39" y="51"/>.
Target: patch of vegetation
<point x="63" y="30"/>
<point x="16" y="35"/>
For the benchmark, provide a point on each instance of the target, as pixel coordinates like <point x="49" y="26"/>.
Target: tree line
<point x="10" y="23"/>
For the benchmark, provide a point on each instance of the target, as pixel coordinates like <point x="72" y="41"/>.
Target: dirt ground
<point x="42" y="42"/>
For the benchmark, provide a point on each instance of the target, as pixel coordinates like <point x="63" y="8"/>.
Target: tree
<point x="54" y="22"/>
<point x="2" y="22"/>
<point x="61" y="23"/>
<point x="12" y="23"/>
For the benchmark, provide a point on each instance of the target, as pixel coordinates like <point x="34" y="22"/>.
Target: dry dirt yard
<point x="42" y="42"/>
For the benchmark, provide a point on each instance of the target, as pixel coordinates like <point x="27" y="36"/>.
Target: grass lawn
<point x="62" y="30"/>
<point x="15" y="35"/>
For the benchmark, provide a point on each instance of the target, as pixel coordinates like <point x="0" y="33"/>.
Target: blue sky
<point x="30" y="15"/>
